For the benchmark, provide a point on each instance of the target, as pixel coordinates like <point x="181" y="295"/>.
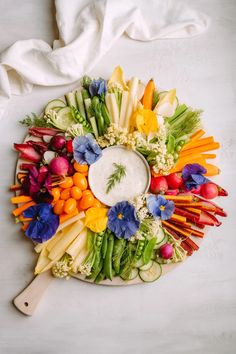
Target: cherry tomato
<point x="80" y="168"/>
<point x="70" y="205"/>
<point x="69" y="146"/>
<point x="65" y="194"/>
<point x="86" y="202"/>
<point x="87" y="192"/>
<point x="58" y="207"/>
<point x="56" y="192"/>
<point x="76" y="192"/>
<point x="67" y="183"/>
<point x="80" y="181"/>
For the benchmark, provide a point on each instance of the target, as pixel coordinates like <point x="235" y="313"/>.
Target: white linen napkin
<point x="86" y="34"/>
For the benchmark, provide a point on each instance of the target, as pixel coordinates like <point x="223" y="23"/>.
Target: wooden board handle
<point x="28" y="299"/>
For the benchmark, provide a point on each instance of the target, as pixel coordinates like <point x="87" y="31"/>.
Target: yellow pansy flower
<point x="96" y="219"/>
<point x="145" y="121"/>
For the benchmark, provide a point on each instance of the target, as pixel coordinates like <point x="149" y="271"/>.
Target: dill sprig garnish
<point x="116" y="176"/>
<point x="34" y="120"/>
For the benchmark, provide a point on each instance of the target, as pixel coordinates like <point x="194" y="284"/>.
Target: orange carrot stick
<point x="65" y="217"/>
<point x="177" y="229"/>
<point x="200" y="142"/>
<point x="148" y="94"/>
<point x="197" y="135"/>
<point x="15" y="187"/>
<point x="18" y="211"/>
<point x="194" y="210"/>
<point x="212" y="170"/>
<point x="208" y="156"/>
<point x="24" y="226"/>
<point x="200" y="149"/>
<point x="195" y="232"/>
<point x="21" y="199"/>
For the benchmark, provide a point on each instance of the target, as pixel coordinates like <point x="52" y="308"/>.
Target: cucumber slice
<point x="55" y="105"/>
<point x="94" y="126"/>
<point x="71" y="100"/>
<point x="164" y="241"/>
<point x="146" y="266"/>
<point x="139" y="263"/>
<point x="65" y="118"/>
<point x="152" y="273"/>
<point x="160" y="237"/>
<point x="133" y="274"/>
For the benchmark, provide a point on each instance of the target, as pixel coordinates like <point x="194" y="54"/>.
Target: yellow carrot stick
<point x="184" y="198"/>
<point x="148" y="94"/>
<point x="179" y="218"/>
<point x="18" y="211"/>
<point x="21" y="199"/>
<point x="200" y="149"/>
<point x="197" y="135"/>
<point x="200" y="142"/>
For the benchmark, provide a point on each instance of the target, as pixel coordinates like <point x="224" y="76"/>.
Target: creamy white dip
<point x="135" y="182"/>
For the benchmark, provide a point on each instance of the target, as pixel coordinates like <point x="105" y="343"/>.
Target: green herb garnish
<point x="35" y="121"/>
<point x="116" y="176"/>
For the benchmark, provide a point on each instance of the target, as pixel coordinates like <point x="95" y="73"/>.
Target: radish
<point x="59" y="166"/>
<point x="57" y="142"/>
<point x="174" y="180"/>
<point x="166" y="251"/>
<point x="209" y="191"/>
<point x="158" y="184"/>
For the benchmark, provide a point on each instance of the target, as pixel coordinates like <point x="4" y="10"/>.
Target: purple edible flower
<point x="86" y="150"/>
<point x="123" y="220"/>
<point x="37" y="184"/>
<point x="193" y="176"/>
<point x="44" y="223"/>
<point x="159" y="207"/>
<point x="97" y="87"/>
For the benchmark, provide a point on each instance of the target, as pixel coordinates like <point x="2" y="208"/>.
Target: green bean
<point x="107" y="269"/>
<point x="147" y="253"/>
<point x="100" y="277"/>
<point x="105" y="114"/>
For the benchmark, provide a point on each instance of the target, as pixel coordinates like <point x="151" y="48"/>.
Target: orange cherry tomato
<point x="58" y="207"/>
<point x="80" y="181"/>
<point x="56" y="192"/>
<point x="67" y="183"/>
<point x="80" y="168"/>
<point x="65" y="194"/>
<point x="70" y="205"/>
<point x="87" y="192"/>
<point x="76" y="192"/>
<point x="86" y="202"/>
<point x="96" y="203"/>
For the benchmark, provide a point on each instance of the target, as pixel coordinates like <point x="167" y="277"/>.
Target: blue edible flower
<point x="123" y="220"/>
<point x="44" y="223"/>
<point x="86" y="150"/>
<point x="97" y="87"/>
<point x="159" y="207"/>
<point x="193" y="176"/>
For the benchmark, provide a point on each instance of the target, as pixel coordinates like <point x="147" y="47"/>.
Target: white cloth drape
<point x="86" y="35"/>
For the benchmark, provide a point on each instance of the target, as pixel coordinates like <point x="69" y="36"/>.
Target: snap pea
<point x="119" y="246"/>
<point x="100" y="277"/>
<point x="96" y="271"/>
<point x="105" y="114"/>
<point x="107" y="269"/>
<point x="170" y="144"/>
<point x="139" y="249"/>
<point x="104" y="244"/>
<point x="147" y="253"/>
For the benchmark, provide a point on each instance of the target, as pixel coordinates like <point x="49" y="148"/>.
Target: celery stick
<point x="80" y="102"/>
<point x="94" y="126"/>
<point x="87" y="103"/>
<point x="108" y="104"/>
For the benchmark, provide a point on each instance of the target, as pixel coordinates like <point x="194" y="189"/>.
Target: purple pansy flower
<point x="44" y="223"/>
<point x="37" y="184"/>
<point x="159" y="207"/>
<point x="97" y="87"/>
<point x="123" y="220"/>
<point x="86" y="150"/>
<point x="193" y="176"/>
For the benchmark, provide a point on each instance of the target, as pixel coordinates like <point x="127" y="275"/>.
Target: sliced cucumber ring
<point x="54" y="105"/>
<point x="164" y="240"/>
<point x="146" y="266"/>
<point x="65" y="118"/>
<point x="139" y="263"/>
<point x="152" y="273"/>
<point x="133" y="274"/>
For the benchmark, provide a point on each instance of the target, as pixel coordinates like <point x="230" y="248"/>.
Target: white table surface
<point x="191" y="310"/>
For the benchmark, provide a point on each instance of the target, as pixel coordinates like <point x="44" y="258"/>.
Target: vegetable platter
<point x="114" y="182"/>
